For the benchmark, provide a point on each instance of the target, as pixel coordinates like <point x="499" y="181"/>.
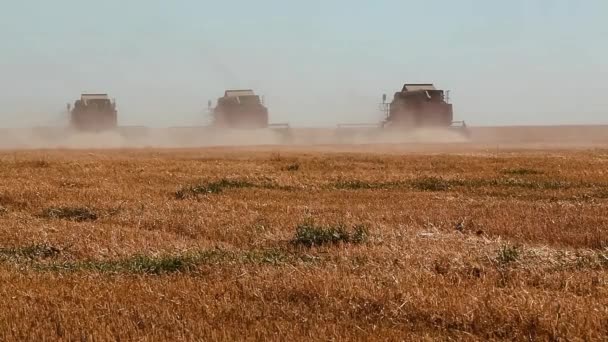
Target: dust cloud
<point x="141" y="137"/>
<point x="193" y="137"/>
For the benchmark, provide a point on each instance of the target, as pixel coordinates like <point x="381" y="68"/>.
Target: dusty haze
<point x="202" y="137"/>
<point x="141" y="137"/>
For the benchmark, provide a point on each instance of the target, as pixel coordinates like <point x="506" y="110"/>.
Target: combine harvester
<point x="416" y="108"/>
<point x="240" y="118"/>
<point x="90" y="115"/>
<point x="239" y="109"/>
<point x="97" y="113"/>
<point x="241" y="112"/>
<point x="417" y="113"/>
<point x="93" y="113"/>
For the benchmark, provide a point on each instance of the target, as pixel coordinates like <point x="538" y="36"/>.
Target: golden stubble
<point x="474" y="244"/>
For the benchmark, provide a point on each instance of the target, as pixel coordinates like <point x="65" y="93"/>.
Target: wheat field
<point x="277" y="243"/>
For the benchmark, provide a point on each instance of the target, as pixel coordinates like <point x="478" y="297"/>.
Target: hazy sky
<point x="316" y="62"/>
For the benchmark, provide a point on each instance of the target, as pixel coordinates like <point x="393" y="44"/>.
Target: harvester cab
<point x="93" y="112"/>
<point x="239" y="109"/>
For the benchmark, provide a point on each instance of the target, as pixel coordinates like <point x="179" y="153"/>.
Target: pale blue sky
<point x="316" y="62"/>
